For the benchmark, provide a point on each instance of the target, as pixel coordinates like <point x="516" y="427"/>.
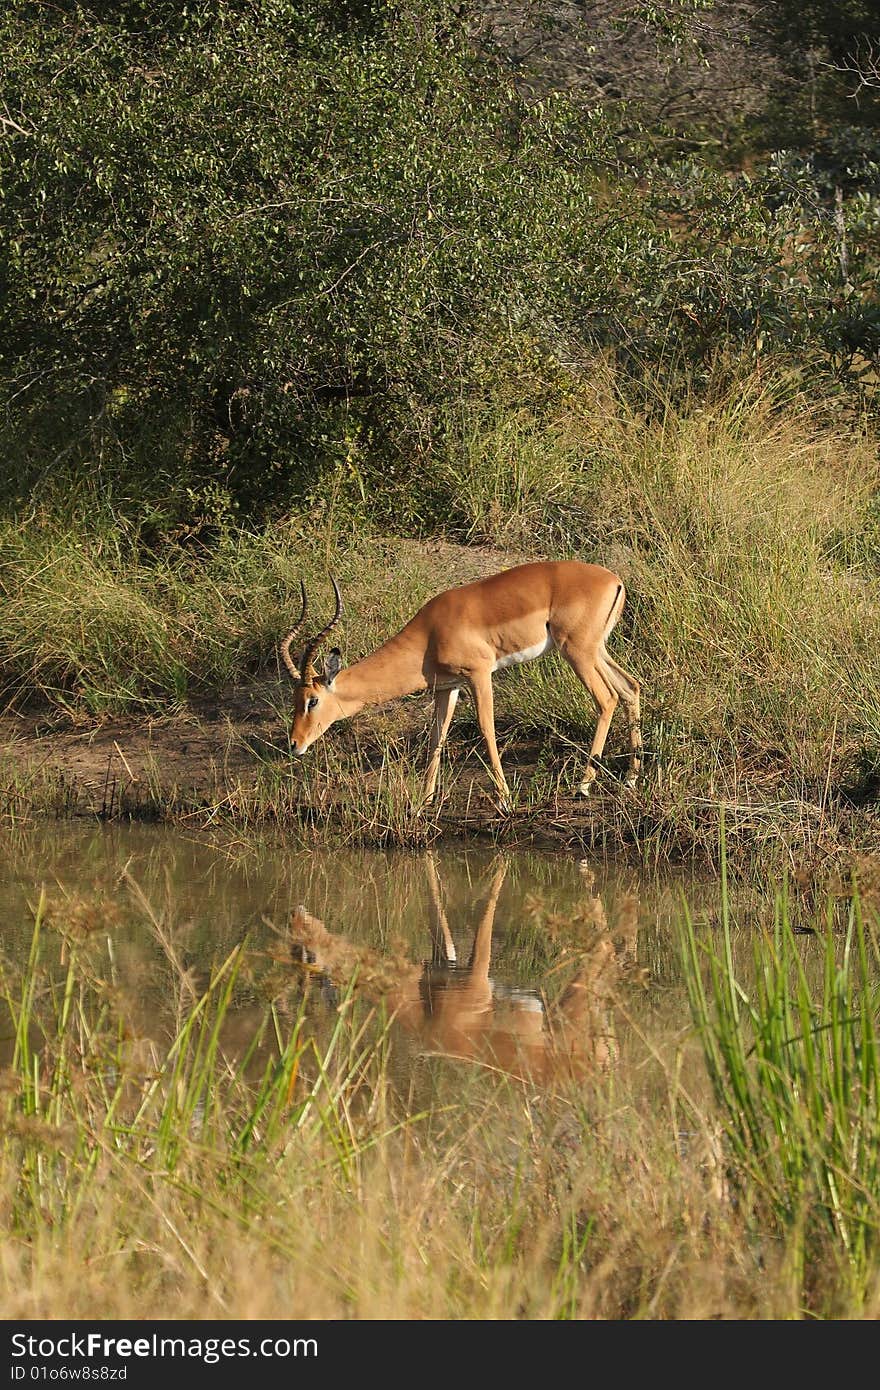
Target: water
<point x="519" y="961"/>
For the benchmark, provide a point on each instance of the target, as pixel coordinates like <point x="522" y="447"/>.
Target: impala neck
<point x="395" y="668"/>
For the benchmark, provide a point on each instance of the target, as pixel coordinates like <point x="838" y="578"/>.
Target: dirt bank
<point x="191" y="751"/>
<point x="208" y="761"/>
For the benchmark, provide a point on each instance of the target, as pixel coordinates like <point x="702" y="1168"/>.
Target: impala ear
<point x="332" y="665"/>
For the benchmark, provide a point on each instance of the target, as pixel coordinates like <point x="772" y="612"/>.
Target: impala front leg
<point x="444" y="708"/>
<point x="481" y="685"/>
<point x="442" y="945"/>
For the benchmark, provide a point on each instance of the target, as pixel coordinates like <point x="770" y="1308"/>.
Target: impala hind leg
<point x="481" y="685"/>
<point x="444" y="708"/>
<point x="629" y="690"/>
<point x="605" y="696"/>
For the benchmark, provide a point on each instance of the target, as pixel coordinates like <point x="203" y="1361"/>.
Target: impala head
<point x="316" y="706"/>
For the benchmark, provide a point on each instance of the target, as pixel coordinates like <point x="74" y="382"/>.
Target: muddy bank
<point x="207" y="762"/>
<point x="193" y="751"/>
<point x="225" y="762"/>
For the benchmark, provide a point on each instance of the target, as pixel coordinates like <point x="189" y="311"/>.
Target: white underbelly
<point x="527" y="654"/>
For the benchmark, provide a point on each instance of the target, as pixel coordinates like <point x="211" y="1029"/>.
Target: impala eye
<point x="311" y="702"/>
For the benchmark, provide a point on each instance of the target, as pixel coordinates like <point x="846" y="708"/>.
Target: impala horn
<point x="284" y="647"/>
<point x="308" y="674"/>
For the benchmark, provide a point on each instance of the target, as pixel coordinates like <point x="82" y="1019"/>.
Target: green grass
<point x="95" y="623"/>
<point x="793" y="1055"/>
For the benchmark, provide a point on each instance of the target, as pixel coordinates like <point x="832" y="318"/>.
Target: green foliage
<point x="260" y="217"/>
<point x="744" y="528"/>
<point x="254" y="247"/>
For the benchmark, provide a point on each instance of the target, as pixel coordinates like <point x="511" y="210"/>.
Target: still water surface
<point x="514" y="960"/>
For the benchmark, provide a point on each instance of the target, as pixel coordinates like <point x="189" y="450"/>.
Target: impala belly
<point x="527" y="654"/>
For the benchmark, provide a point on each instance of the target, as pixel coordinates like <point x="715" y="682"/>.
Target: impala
<point x="460" y="638"/>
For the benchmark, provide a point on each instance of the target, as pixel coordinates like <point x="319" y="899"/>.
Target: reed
<point x="793" y="1056"/>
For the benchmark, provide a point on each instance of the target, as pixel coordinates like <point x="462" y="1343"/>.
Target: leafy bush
<point x="250" y="247"/>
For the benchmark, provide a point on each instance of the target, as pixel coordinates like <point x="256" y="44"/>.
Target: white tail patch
<point x="527" y="654"/>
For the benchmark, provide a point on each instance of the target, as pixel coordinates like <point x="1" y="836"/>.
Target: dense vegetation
<point x="250" y="248"/>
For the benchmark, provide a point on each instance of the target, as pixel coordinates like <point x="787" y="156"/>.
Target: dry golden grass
<point x="234" y="1147"/>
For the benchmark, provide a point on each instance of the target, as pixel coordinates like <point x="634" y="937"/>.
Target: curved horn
<point x="284" y="647"/>
<point x="308" y="674"/>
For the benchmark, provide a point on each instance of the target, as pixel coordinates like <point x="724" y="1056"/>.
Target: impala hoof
<point x="585" y="788"/>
